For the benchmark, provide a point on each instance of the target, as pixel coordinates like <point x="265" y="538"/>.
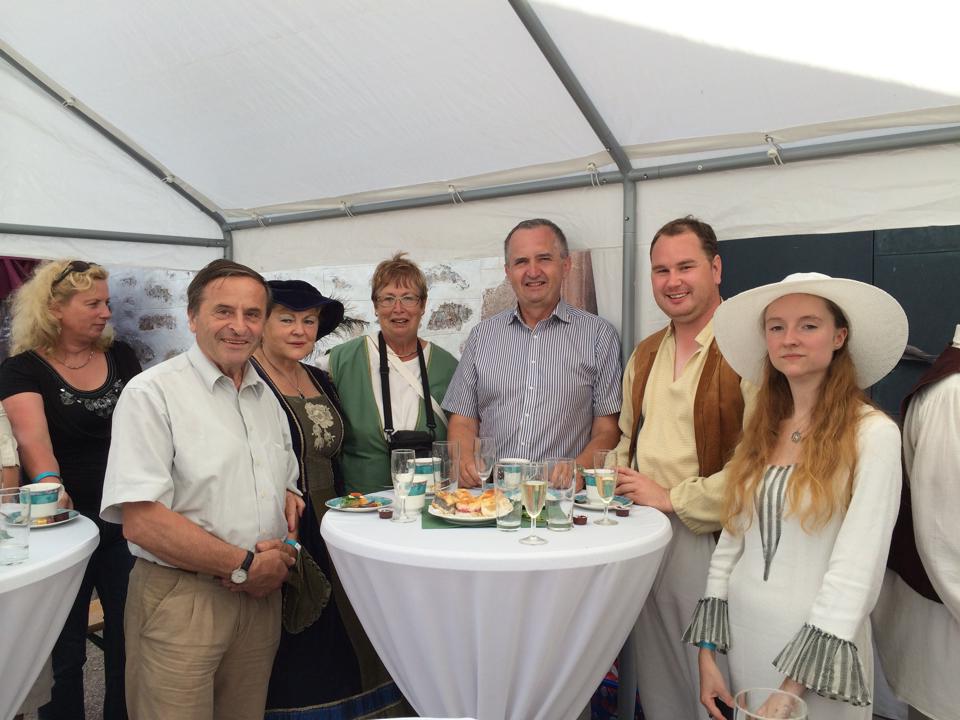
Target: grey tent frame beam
<point x="89" y="234"/>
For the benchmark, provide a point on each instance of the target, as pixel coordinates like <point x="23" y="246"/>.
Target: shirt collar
<point x="210" y="374"/>
<point x="561" y="312"/>
<point x="703" y="338"/>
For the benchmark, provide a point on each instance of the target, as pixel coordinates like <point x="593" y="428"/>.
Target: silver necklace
<point x="74" y="367"/>
<point x="286" y="377"/>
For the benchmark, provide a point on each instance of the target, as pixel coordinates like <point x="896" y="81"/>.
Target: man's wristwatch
<point x="239" y="576"/>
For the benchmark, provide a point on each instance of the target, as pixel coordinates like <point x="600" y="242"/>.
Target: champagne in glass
<point x="533" y="489"/>
<point x="402" y="468"/>
<point x="605" y="474"/>
<point x="484" y="455"/>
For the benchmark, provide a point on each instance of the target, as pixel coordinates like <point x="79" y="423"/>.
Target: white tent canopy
<point x="255" y="111"/>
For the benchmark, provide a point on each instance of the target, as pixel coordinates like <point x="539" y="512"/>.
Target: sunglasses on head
<point x="75" y="266"/>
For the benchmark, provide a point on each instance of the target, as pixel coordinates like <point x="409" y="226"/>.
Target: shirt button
<point x="529" y="387"/>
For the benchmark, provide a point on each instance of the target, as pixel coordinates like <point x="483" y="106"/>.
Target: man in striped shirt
<point x="541" y="379"/>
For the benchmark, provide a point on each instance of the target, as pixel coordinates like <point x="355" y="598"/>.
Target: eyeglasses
<point x="75" y="266"/>
<point x="408" y="302"/>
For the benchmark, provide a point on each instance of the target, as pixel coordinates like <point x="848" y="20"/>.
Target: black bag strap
<point x="385" y="388"/>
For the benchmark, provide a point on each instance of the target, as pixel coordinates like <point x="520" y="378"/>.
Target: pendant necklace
<point x="286" y="377"/>
<point x="74" y="367"/>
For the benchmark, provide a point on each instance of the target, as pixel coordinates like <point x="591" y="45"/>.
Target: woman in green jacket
<point x="399" y="294"/>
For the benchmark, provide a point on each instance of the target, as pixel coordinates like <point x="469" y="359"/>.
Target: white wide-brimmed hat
<point x="878" y="325"/>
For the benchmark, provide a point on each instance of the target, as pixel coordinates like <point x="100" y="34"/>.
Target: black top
<point x="78" y="420"/>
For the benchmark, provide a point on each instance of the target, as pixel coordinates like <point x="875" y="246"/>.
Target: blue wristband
<point x="47" y="474"/>
<point x="703" y="644"/>
<point x="292" y="543"/>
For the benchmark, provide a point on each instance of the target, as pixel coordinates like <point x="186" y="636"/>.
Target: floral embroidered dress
<point x="784" y="601"/>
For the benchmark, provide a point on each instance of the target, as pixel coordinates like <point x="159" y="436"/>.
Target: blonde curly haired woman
<point x="59" y="389"/>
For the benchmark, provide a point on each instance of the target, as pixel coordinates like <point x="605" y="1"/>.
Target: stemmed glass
<point x="604" y="471"/>
<point x="402" y="468"/>
<point x="484" y="455"/>
<point x="533" y="489"/>
<point x="768" y="704"/>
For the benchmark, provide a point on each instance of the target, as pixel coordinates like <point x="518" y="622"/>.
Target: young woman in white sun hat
<point x="812" y="495"/>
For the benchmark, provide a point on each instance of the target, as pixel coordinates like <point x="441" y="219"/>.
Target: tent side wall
<point x="591" y="218"/>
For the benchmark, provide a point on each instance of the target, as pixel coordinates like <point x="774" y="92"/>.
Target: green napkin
<point x="432" y="522"/>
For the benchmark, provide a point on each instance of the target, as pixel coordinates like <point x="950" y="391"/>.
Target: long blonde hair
<point x="33" y="326"/>
<point x="822" y="481"/>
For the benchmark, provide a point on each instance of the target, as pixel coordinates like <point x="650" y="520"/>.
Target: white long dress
<point x="781" y="600"/>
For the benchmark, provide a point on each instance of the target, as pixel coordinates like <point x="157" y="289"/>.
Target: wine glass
<point x="402" y="469"/>
<point x="533" y="490"/>
<point x="768" y="704"/>
<point x="484" y="455"/>
<point x="605" y="474"/>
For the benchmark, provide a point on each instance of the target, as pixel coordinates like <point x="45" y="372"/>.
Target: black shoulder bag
<point x="420" y="441"/>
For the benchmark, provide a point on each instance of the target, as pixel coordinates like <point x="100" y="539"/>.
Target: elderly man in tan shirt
<point x="682" y="413"/>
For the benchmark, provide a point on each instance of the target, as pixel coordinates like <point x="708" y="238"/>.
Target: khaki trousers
<point x="196" y="650"/>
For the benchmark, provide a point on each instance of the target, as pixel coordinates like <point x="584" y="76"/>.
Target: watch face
<point x="238" y="576"/>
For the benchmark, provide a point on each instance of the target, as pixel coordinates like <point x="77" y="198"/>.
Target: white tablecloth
<point x="470" y="622"/>
<point x="35" y="598"/>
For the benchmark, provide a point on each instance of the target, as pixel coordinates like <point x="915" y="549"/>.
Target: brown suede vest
<point x="904" y="559"/>
<point x="717" y="406"/>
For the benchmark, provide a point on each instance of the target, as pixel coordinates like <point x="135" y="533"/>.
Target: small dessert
<point x="579" y="519"/>
<point x="357" y="500"/>
<point x="386" y="513"/>
<point x="623" y="512"/>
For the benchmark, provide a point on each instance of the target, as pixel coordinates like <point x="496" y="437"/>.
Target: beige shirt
<point x="666" y="445"/>
<point x="186" y="437"/>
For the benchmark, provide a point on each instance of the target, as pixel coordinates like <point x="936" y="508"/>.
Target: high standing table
<point x="35" y="598"/>
<point x="470" y="622"/>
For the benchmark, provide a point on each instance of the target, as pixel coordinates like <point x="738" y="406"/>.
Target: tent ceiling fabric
<point x="57" y="171"/>
<point x="258" y="104"/>
<point x="676" y="78"/>
<point x="288" y="106"/>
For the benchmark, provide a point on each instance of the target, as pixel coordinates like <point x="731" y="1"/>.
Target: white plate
<point x="580" y="500"/>
<point x="36" y="524"/>
<point x="334" y="503"/>
<point x="461" y="519"/>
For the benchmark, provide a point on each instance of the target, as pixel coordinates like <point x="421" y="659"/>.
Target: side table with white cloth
<point x="35" y="597"/>
<point x="470" y="622"/>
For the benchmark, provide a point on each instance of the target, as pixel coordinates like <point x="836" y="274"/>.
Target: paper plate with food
<point x="462" y="507"/>
<point x="358" y="502"/>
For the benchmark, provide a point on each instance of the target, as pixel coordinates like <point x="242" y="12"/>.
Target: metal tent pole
<point x="89" y="234"/>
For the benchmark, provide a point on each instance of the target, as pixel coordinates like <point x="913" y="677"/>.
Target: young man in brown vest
<point x="682" y="414"/>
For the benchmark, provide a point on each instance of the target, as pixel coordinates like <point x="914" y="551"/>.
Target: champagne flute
<point x="768" y="704"/>
<point x="484" y="455"/>
<point x="533" y="490"/>
<point x="402" y="468"/>
<point x="605" y="473"/>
